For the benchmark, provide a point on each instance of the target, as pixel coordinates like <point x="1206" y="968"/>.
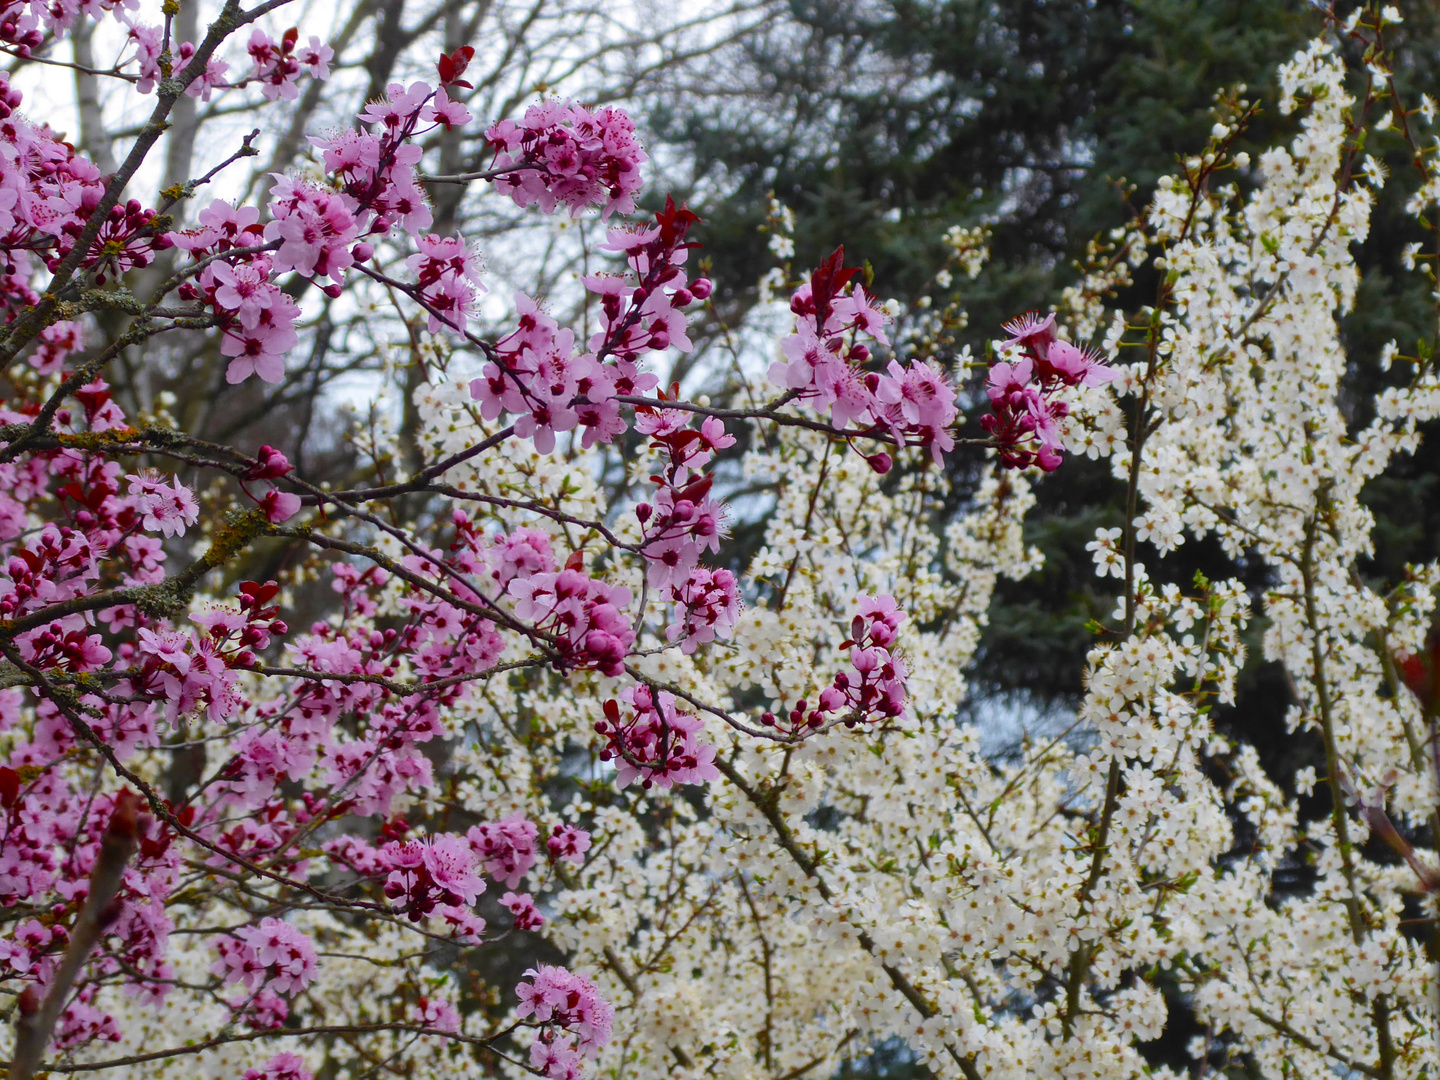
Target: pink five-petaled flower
<point x="284" y="1066"/>
<point x="273" y="955"/>
<point x="431" y="872"/>
<point x="505" y="848"/>
<point x="437" y="1015"/>
<point x="1031" y="332"/>
<point x="1078" y="367"/>
<point x="559" y="997"/>
<point x="166" y="510"/>
<point x="1025" y="392"/>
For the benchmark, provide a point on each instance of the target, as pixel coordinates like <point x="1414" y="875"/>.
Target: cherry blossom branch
<point x="28" y="325"/>
<point x="36" y="1020"/>
<point x="282" y="1033"/>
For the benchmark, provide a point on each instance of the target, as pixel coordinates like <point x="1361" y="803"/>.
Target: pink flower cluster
<point x="125" y="241"/>
<point x="48" y="196"/>
<point x="1025" y="395"/>
<point x="562" y="154"/>
<point x="824" y="365"/>
<point x="285" y="1066"/>
<point x="506" y="848"/>
<point x="448" y="275"/>
<point x="682" y="522"/>
<point x="435" y="876"/>
<point x="533" y="372"/>
<point x="24" y="24"/>
<point x="273" y="954"/>
<point x="51" y="844"/>
<point x="874" y="687"/>
<point x="643" y="309"/>
<point x="655" y="743"/>
<point x="278" y="63"/>
<point x="426" y="874"/>
<point x="316" y="230"/>
<point x="525" y="915"/>
<point x="149" y="43"/>
<point x="255" y="316"/>
<point x="574" y="1019"/>
<point x="321" y="234"/>
<point x="534" y="375"/>
<point x="376" y="167"/>
<point x="167" y="510"/>
<point x="582" y="618"/>
<point x="567" y="842"/>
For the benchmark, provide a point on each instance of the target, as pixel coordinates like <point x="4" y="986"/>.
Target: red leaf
<point x="576" y="561"/>
<point x="828" y="279"/>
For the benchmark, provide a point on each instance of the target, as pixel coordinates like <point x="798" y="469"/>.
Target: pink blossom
<point x="522" y="907"/>
<point x="656" y="743"/>
<point x="568" y="842"/>
<point x="166" y="510"/>
<point x="273" y="955"/>
<point x="505" y="848"/>
<point x="569" y="1002"/>
<point x="283" y="1066"/>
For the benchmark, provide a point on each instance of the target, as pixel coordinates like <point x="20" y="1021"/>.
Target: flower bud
<point x="880" y="462"/>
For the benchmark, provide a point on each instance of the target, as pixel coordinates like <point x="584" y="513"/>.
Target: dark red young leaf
<point x="674" y="222"/>
<point x="1419" y="676"/>
<point x="697" y="489"/>
<point x="576" y="561"/>
<point x="826" y="282"/>
<point x="254" y="597"/>
<point x="93" y="400"/>
<point x="9" y="786"/>
<point x="453" y="65"/>
<point x="291" y="37"/>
